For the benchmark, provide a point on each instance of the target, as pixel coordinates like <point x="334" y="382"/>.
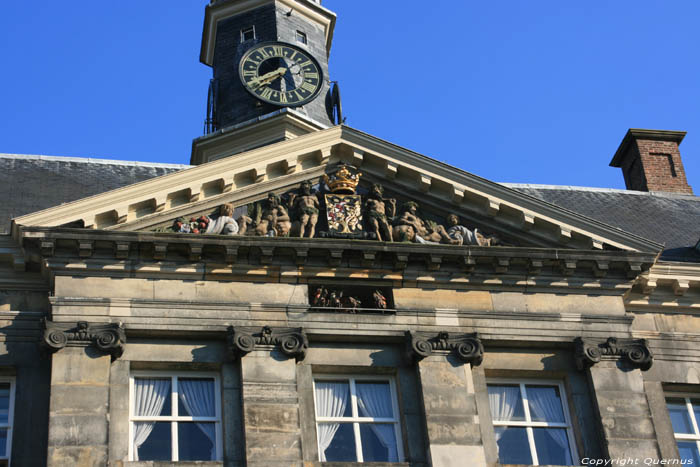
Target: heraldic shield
<point x="344" y="215"/>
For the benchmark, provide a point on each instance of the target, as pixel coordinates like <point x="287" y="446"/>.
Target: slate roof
<point x="668" y="218"/>
<point x="33" y="183"/>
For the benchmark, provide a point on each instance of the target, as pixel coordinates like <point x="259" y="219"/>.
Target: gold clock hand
<point x="268" y="77"/>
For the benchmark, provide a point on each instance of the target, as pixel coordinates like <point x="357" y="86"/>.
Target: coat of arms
<point x="343" y="206"/>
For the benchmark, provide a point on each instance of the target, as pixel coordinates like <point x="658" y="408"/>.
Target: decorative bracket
<point x="108" y="338"/>
<point x="467" y="347"/>
<point x="292" y="342"/>
<point x="635" y="351"/>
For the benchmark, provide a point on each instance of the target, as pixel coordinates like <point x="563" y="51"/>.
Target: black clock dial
<point x="281" y="74"/>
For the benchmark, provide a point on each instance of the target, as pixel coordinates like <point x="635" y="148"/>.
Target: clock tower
<point x="270" y="72"/>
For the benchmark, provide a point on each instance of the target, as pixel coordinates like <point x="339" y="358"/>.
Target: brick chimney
<point x="650" y="161"/>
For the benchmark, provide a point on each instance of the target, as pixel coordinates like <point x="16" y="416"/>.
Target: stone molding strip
<point x="636" y="352"/>
<point x="242" y="340"/>
<point x="107" y="338"/>
<point x="466" y="347"/>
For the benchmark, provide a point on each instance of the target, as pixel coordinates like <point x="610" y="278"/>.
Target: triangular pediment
<point x="247" y="178"/>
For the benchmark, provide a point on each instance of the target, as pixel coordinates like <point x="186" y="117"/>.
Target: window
<point x="684" y="410"/>
<point x="357" y="419"/>
<point x="7" y="409"/>
<point x="531" y="422"/>
<point x="248" y="34"/>
<point x="301" y="37"/>
<point x="175" y="417"/>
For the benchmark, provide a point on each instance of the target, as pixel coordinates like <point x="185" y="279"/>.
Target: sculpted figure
<point x="464" y="236"/>
<point x="376" y="210"/>
<point x="306" y="207"/>
<point x="225" y="224"/>
<point x="274" y="219"/>
<point x="408" y="227"/>
<point x="379" y="299"/>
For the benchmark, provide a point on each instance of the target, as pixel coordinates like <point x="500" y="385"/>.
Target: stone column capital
<point x="636" y="352"/>
<point x="466" y="347"/>
<point x="108" y="338"/>
<point x="242" y="340"/>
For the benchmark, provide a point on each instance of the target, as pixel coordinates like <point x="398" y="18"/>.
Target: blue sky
<point x="537" y="91"/>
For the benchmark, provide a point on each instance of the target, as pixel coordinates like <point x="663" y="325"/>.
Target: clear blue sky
<point x="538" y="91"/>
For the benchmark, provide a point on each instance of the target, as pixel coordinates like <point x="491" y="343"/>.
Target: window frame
<point x="299" y="35"/>
<point x="244" y="30"/>
<point x="693" y="419"/>
<point x="528" y="424"/>
<point x="356" y="419"/>
<point x="176" y="419"/>
<point x="9" y="426"/>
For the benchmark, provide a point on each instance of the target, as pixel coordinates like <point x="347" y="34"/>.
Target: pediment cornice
<point x="215" y="257"/>
<point x="250" y="175"/>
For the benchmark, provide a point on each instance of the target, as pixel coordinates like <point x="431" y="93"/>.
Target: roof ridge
<point x="600" y="190"/>
<point x="92" y="160"/>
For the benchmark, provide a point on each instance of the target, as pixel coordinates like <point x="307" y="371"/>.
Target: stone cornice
<point x="107" y="338"/>
<point x="466" y="347"/>
<point x="179" y="254"/>
<point x="292" y="342"/>
<point x="635" y="352"/>
<point x="223" y="9"/>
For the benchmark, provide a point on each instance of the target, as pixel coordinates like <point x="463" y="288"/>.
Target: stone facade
<point x="101" y="298"/>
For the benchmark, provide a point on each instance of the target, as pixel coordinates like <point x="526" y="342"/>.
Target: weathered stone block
<point x="80" y="365"/>
<point x="457" y="456"/>
<point x="280" y="447"/>
<point x="453" y="429"/>
<point x="423" y="299"/>
<point x="271" y="418"/>
<point x="89" y="456"/>
<point x="76" y="399"/>
<point x="78" y="430"/>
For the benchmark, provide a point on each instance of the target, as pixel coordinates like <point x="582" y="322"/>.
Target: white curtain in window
<point x="502" y="401"/>
<point x="331" y="400"/>
<point x="149" y="397"/>
<point x="197" y="395"/>
<point x="546" y="406"/>
<point x="375" y="401"/>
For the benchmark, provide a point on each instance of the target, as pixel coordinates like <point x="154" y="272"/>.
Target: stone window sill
<point x="169" y="463"/>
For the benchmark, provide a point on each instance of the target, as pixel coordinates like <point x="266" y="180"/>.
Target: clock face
<point x="281" y="74"/>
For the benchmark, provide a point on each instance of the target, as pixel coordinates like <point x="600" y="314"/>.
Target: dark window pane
<point x="696" y="408"/>
<point x="3" y="442"/>
<point x="157" y="446"/>
<point x="552" y="446"/>
<point x="513" y="446"/>
<point x="545" y="403"/>
<point x="4" y="402"/>
<point x="196" y="397"/>
<point x="689" y="452"/>
<point x="506" y="402"/>
<point x="680" y="418"/>
<point x="196" y="441"/>
<point x="342" y="448"/>
<point x="378" y="442"/>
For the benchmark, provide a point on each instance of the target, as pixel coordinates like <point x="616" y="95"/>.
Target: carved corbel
<point x="636" y="352"/>
<point x="292" y="342"/>
<point x="107" y="338"/>
<point x="466" y="347"/>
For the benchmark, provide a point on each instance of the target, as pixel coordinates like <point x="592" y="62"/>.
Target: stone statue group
<point x="299" y="216"/>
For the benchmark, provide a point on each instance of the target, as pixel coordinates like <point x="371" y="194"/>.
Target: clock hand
<point x="267" y="78"/>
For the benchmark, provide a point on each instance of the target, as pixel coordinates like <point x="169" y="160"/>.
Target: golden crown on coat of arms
<point x="344" y="180"/>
